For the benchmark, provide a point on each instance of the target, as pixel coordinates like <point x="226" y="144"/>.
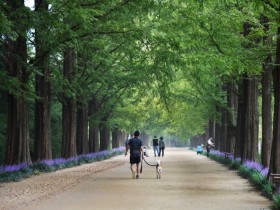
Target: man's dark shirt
<point x="135" y="145"/>
<point x="155" y="142"/>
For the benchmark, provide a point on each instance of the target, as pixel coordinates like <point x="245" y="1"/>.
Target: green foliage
<point x="251" y="173"/>
<point x="276" y="201"/>
<point x="234" y="164"/>
<point x="42" y="167"/>
<point x="244" y="171"/>
<point x="15" y="176"/>
<point x="157" y="66"/>
<point x="258" y="180"/>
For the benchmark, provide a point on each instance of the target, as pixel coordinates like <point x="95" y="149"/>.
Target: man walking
<point x="136" y="149"/>
<point x="161" y="146"/>
<point x="155" y="146"/>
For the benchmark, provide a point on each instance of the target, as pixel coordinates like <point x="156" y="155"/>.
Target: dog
<point x="159" y="169"/>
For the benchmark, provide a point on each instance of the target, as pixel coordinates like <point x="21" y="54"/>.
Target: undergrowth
<point x="253" y="171"/>
<point x="21" y="171"/>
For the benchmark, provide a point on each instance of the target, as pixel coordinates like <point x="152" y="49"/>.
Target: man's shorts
<point x="134" y="160"/>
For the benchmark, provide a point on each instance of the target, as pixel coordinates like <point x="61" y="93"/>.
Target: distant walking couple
<point x="158" y="146"/>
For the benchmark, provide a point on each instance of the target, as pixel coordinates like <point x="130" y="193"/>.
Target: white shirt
<point x="210" y="141"/>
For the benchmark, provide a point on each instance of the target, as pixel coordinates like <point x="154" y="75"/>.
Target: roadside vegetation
<point x="255" y="172"/>
<point x="16" y="173"/>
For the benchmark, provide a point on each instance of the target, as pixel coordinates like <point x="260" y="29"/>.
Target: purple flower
<point x="218" y="153"/>
<point x="11" y="168"/>
<point x="253" y="165"/>
<point x="264" y="172"/>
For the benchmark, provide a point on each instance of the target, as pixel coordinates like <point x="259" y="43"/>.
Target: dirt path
<point x="188" y="182"/>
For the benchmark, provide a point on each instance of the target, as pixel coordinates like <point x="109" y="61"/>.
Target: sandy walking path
<point x="189" y="181"/>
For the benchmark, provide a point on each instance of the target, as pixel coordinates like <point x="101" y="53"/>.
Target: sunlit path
<point x="188" y="181"/>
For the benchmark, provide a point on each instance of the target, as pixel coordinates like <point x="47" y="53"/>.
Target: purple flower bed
<point x="13" y="168"/>
<point x="252" y="170"/>
<point x="252" y="165"/>
<point x="20" y="171"/>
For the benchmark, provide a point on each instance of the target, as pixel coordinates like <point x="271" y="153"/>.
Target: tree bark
<point x="145" y="138"/>
<point x="217" y="139"/>
<point x="232" y="109"/>
<point x="115" y="138"/>
<point x="250" y="117"/>
<point x="275" y="150"/>
<point x="68" y="147"/>
<point x="250" y="143"/>
<point x="94" y="145"/>
<point x="212" y="129"/>
<point x="42" y="126"/>
<point x="266" y="114"/>
<point x="240" y="124"/>
<point x="266" y="102"/>
<point x="17" y="145"/>
<point x="224" y="130"/>
<point x="104" y="136"/>
<point x="82" y="129"/>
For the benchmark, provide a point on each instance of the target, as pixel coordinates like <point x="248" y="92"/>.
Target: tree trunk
<point x="42" y="126"/>
<point x="250" y="117"/>
<point x="104" y="136"/>
<point x="123" y="138"/>
<point x="217" y="139"/>
<point x="115" y="138"/>
<point x="240" y="124"/>
<point x="275" y="150"/>
<point x="145" y="139"/>
<point x="232" y="107"/>
<point x="266" y="102"/>
<point x="266" y="114"/>
<point x="224" y="130"/>
<point x="17" y="145"/>
<point x="212" y="129"/>
<point x="82" y="129"/>
<point x="94" y="145"/>
<point x="68" y="147"/>
<point x="250" y="143"/>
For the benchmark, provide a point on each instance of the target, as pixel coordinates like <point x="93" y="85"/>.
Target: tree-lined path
<point x="188" y="182"/>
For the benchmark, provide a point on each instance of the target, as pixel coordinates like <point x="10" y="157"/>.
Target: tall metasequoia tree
<point x="275" y="150"/>
<point x="266" y="113"/>
<point x="145" y="138"/>
<point x="105" y="135"/>
<point x="227" y="127"/>
<point x="68" y="146"/>
<point x="224" y="127"/>
<point x="211" y="128"/>
<point x="17" y="145"/>
<point x="116" y="134"/>
<point x="42" y="140"/>
<point x="82" y="129"/>
<point x="266" y="102"/>
<point x="93" y="126"/>
<point x="247" y="118"/>
<point x="232" y="107"/>
<point x="240" y="124"/>
<point x="251" y="118"/>
<point x="218" y="126"/>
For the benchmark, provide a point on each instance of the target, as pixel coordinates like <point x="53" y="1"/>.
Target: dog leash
<point x="141" y="164"/>
<point x="148" y="163"/>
